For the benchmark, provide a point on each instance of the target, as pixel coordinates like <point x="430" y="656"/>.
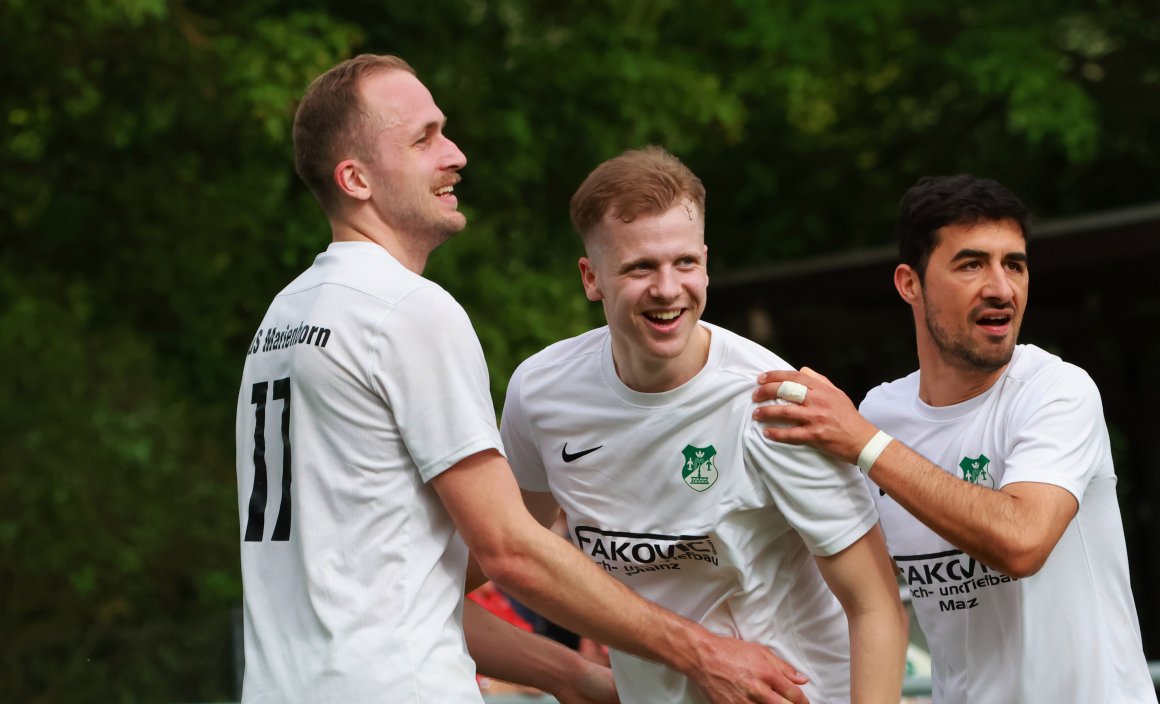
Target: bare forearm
<point x="546" y="573"/>
<point x="984" y="523"/>
<point x="591" y="603"/>
<point x="877" y="655"/>
<point x="505" y="652"/>
<point x="989" y="525"/>
<point x="863" y="582"/>
<point x="1010" y="530"/>
<point x="562" y="584"/>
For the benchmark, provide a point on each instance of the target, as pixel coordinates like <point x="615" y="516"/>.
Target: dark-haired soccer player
<point x="998" y="496"/>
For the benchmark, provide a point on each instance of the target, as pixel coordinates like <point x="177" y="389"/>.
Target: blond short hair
<point x="639" y="182"/>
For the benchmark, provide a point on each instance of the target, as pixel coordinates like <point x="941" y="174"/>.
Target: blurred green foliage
<point x="149" y="211"/>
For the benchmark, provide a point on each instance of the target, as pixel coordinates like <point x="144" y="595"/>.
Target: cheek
<point x="690" y="278"/>
<point x="698" y="285"/>
<point x="625" y="296"/>
<point x="926" y="303"/>
<point x="622" y="297"/>
<point x="617" y="313"/>
<point x="1021" y="290"/>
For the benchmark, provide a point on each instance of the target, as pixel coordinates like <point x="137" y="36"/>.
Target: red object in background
<point x="494" y="601"/>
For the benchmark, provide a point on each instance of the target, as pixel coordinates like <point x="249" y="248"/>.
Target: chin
<point x="669" y="351"/>
<point x="990" y="360"/>
<point x="449" y="229"/>
<point x="456" y="224"/>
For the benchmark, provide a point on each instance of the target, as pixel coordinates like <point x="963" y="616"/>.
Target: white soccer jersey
<point x="680" y="497"/>
<point x="1066" y="634"/>
<point x="363" y="383"/>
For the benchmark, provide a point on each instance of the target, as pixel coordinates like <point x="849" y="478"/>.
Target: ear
<point x="908" y="283"/>
<point x="705" y="262"/>
<point x="588" y="279"/>
<point x="351" y="179"/>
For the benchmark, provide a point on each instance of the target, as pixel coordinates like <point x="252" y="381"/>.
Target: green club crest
<point x="699" y="471"/>
<point x="975" y="471"/>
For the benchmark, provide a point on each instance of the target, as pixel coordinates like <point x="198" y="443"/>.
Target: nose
<point x="998" y="286"/>
<point x="453" y="159"/>
<point x="666" y="284"/>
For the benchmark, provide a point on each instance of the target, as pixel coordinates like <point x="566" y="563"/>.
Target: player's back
<point x="352" y="569"/>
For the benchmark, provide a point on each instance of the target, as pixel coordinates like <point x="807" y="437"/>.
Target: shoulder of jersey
<point x="371" y="271"/>
<point x="891" y="391"/>
<point x="567" y="350"/>
<point x="1035" y="368"/>
<point x="745" y="356"/>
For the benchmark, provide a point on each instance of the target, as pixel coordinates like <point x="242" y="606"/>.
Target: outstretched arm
<point x="862" y="579"/>
<point x="1013" y="529"/>
<point x="531" y="563"/>
<point x="502" y="651"/>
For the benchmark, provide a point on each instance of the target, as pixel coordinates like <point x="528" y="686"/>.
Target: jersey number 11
<point x="256" y="522"/>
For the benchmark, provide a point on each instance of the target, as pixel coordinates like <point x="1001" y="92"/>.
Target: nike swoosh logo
<point x="572" y="457"/>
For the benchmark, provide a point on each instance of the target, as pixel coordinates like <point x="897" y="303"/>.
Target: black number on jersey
<point x="256" y="523"/>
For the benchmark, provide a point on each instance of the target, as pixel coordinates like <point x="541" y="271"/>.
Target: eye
<point x="1017" y="266"/>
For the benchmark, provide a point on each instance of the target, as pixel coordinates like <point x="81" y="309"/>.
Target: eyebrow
<point x="429" y="126"/>
<point x="980" y="254"/>
<point x="630" y="265"/>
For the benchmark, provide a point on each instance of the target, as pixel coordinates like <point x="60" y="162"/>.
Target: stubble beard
<point x="961" y="352"/>
<point x="435" y="233"/>
<point x="425" y="227"/>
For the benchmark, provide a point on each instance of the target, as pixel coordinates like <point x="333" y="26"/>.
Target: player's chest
<point x="694" y="470"/>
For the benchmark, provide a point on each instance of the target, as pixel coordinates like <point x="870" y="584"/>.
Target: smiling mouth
<point x="664" y="317"/>
<point x="448" y="188"/>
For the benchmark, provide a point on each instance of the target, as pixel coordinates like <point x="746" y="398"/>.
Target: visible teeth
<point x="665" y="315"/>
<point x="444" y="190"/>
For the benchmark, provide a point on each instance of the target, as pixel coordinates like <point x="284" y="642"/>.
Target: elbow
<point x="1021" y="558"/>
<point x="1020" y="568"/>
<point x="509" y="567"/>
<point x="506" y="572"/>
<point x="517" y="557"/>
<point x="497" y="563"/>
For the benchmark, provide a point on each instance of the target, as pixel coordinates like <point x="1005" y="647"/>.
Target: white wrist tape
<point x="869" y="454"/>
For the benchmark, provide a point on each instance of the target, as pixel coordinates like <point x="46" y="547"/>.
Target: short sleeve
<point x="429" y="366"/>
<point x="1058" y="433"/>
<point x="521" y="449"/>
<point x="824" y="500"/>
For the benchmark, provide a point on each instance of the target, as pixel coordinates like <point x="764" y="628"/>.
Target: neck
<point x="409" y="251"/>
<point x="653" y="376"/>
<point x="942" y="382"/>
